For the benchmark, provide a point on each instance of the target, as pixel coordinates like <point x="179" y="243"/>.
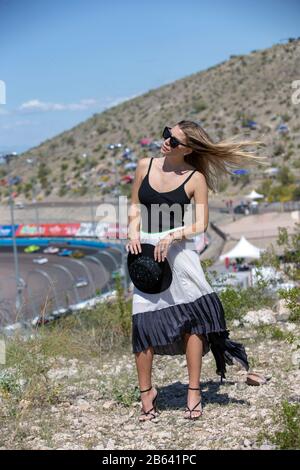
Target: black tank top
<point x="156" y="214"/>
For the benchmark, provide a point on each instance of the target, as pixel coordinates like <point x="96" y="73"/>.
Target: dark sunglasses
<point x="173" y="141"/>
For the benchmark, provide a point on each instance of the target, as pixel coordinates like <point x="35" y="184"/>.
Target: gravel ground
<point x="98" y="404"/>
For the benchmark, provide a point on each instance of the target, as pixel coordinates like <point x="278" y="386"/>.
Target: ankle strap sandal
<point x="193" y="409"/>
<point x="153" y="410"/>
<point x="142" y="391"/>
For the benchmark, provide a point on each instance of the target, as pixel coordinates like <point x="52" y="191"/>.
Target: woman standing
<point x="188" y="317"/>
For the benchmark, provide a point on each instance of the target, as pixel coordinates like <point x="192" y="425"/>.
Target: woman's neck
<point x="174" y="163"/>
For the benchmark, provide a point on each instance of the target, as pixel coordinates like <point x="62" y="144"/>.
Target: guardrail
<point x="70" y="230"/>
<point x="56" y="314"/>
<point x="218" y="231"/>
<point x="7" y="241"/>
<point x="56" y="305"/>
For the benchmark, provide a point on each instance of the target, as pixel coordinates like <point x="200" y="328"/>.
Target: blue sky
<point x="62" y="61"/>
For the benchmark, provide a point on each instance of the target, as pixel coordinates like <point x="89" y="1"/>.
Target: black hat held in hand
<point x="148" y="275"/>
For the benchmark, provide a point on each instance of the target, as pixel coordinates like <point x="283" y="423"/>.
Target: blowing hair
<point x="213" y="159"/>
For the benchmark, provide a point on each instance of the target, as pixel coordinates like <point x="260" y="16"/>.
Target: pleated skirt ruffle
<point x="164" y="328"/>
<point x="189" y="305"/>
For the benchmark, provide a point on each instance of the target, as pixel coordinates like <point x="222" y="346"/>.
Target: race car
<point x="51" y="250"/>
<point x="31" y="248"/>
<point x="77" y="254"/>
<point x="40" y="260"/>
<point x="81" y="282"/>
<point x="65" y="252"/>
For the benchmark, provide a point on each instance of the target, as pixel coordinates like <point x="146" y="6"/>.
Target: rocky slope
<point x="98" y="402"/>
<point x="256" y="86"/>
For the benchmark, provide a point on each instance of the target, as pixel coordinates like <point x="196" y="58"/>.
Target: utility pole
<point x="19" y="286"/>
<point x="114" y="148"/>
<point x="88" y="166"/>
<point x="32" y="162"/>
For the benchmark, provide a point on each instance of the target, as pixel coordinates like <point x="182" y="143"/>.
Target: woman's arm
<point x="134" y="213"/>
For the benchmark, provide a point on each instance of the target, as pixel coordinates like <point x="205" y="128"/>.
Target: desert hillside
<point x="246" y="95"/>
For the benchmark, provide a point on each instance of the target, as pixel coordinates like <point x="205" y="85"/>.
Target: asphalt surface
<point x="44" y="294"/>
<point x="48" y="286"/>
<point x="51" y="285"/>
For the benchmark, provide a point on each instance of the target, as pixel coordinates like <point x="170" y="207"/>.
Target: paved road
<point x="49" y="286"/>
<point x="39" y="293"/>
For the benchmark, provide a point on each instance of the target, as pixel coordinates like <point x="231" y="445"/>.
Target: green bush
<point x="281" y="193"/>
<point x="9" y="383"/>
<point x="70" y="140"/>
<point x="63" y="190"/>
<point x="223" y="186"/>
<point x="292" y="298"/>
<point x="285" y="176"/>
<point x="287" y="421"/>
<point x="278" y="150"/>
<point x="25" y="376"/>
<point x="265" y="186"/>
<point x="296" y="192"/>
<point x="199" y="106"/>
<point x="124" y="312"/>
<point x="101" y="129"/>
<point x="291" y="251"/>
<point x="237" y="302"/>
<point x="274" y="332"/>
<point x="124" y="391"/>
<point x="83" y="190"/>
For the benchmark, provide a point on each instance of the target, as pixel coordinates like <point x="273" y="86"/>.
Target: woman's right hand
<point x="134" y="246"/>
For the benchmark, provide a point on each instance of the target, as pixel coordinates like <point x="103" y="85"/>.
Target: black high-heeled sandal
<point x="193" y="409"/>
<point x="154" y="407"/>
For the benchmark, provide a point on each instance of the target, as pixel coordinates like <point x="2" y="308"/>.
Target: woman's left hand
<point x="161" y="248"/>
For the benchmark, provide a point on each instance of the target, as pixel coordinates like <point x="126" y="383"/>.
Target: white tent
<point x="243" y="249"/>
<point x="254" y="195"/>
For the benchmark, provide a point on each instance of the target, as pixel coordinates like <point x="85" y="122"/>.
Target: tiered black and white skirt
<point x="189" y="305"/>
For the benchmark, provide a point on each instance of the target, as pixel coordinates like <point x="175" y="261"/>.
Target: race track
<point x="52" y="285"/>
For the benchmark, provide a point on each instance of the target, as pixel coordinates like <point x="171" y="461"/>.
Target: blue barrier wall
<point x="48" y="241"/>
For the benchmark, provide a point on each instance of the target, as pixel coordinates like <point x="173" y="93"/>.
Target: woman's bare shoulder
<point x="143" y="160"/>
<point x="199" y="181"/>
<point x="143" y="163"/>
<point x="142" y="167"/>
<point x="198" y="176"/>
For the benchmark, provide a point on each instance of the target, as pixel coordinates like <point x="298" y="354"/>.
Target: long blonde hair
<point x="212" y="159"/>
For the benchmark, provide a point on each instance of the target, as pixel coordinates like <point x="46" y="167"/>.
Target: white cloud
<point x="37" y="105"/>
<point x="22" y="122"/>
